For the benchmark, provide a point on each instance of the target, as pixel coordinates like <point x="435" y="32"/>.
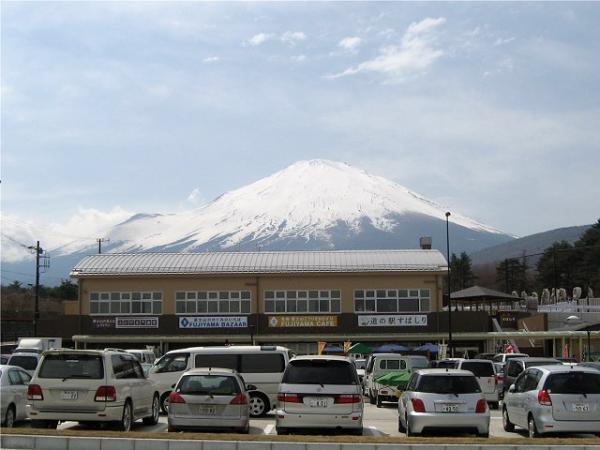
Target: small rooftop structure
<point x="475" y="296"/>
<point x="127" y="264"/>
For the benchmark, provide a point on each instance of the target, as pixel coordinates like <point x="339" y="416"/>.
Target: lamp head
<point x="447" y="214"/>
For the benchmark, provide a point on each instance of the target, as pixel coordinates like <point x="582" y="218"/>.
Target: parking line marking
<point x="269" y="428"/>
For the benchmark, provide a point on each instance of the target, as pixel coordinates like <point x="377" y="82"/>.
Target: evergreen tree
<point x="557" y="267"/>
<point x="461" y="272"/>
<point x="511" y="275"/>
<point x="587" y="259"/>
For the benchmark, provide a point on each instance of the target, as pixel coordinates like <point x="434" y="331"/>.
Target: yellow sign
<point x="321" y="347"/>
<point x="302" y="321"/>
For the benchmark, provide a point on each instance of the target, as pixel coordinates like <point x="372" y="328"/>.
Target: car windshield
<point x="208" y="385"/>
<point x="72" y="366"/>
<point x="448" y="384"/>
<point x="26" y="362"/>
<point x="319" y="371"/>
<point x="479" y="369"/>
<point x="573" y="383"/>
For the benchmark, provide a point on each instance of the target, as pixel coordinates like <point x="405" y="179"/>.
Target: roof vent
<point x="425" y="242"/>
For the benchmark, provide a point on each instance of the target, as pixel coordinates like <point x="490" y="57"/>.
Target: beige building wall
<point x="346" y="282"/>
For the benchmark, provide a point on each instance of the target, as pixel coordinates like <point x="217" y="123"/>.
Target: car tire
<point x="506" y="423"/>
<point x="532" y="428"/>
<point x="371" y="398"/>
<point x="484" y="435"/>
<point x="126" y="418"/>
<point x="357" y="432"/>
<point x="378" y="401"/>
<point x="171" y="429"/>
<point x="258" y="405"/>
<point x="401" y="427"/>
<point x="9" y="417"/>
<point x="164" y="402"/>
<point x="494" y="405"/>
<point x="281" y="431"/>
<point x="153" y="419"/>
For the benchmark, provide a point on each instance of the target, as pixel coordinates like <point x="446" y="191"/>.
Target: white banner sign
<point x="136" y="322"/>
<point x="213" y="322"/>
<point x="403" y="320"/>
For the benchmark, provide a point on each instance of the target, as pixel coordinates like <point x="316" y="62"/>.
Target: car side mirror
<point x="251" y="387"/>
<point x="512" y="388"/>
<point x="173" y="386"/>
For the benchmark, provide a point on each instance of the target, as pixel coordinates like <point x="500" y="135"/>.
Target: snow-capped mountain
<point x="315" y="204"/>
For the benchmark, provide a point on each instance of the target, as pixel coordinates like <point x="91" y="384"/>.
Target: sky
<point x="115" y="108"/>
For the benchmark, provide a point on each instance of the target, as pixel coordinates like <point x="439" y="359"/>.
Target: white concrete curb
<point x="14" y="442"/>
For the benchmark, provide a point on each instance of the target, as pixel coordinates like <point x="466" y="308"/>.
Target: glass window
<point x="223" y="295"/>
<point x="320" y="371"/>
<point x="93" y="296"/>
<point x="442" y="384"/>
<point x="223" y="361"/>
<point x="72" y="365"/>
<point x="234" y="306"/>
<point x="245" y="307"/>
<point x="313" y="294"/>
<point x="335" y="294"/>
<point x="156" y="307"/>
<point x="291" y="306"/>
<point x="302" y="306"/>
<point x="262" y="363"/>
<point x="335" y="306"/>
<point x="156" y="296"/>
<point x="313" y="305"/>
<point x="234" y="294"/>
<point x="213" y="385"/>
<point x="190" y="295"/>
<point x="190" y="306"/>
<point x="201" y="295"/>
<point x="180" y="307"/>
<point x="175" y="362"/>
<point x="246" y="295"/>
<point x="280" y="294"/>
<point x="387" y="305"/>
<point x="202" y="306"/>
<point x="359" y="294"/>
<point x="324" y="305"/>
<point x="269" y="306"/>
<point x="224" y="306"/>
<point x="213" y="307"/>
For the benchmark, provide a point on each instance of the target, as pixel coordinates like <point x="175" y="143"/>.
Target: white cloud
<point x="299" y="58"/>
<point x="259" y="39"/>
<point x="211" y="59"/>
<point x="350" y="43"/>
<point x="196" y="198"/>
<point x="502" y="41"/>
<point x="415" y="54"/>
<point x="292" y="37"/>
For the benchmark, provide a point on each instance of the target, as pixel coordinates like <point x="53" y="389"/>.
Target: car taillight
<point x="348" y="399"/>
<point x="544" y="398"/>
<point x="34" y="392"/>
<point x="417" y="404"/>
<point x="174" y="397"/>
<point x="106" y="394"/>
<point x="289" y="398"/>
<point x="239" y="399"/>
<point x="481" y="406"/>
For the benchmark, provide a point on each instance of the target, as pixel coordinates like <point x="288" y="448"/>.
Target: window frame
<point x="370" y="303"/>
<point x="308" y="301"/>
<point x="208" y="302"/>
<point x="103" y="304"/>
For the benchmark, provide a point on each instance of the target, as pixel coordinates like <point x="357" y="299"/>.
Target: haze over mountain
<point x="316" y="204"/>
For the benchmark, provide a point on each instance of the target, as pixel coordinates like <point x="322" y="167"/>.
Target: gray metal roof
<point x="116" y="264"/>
<point x="476" y="293"/>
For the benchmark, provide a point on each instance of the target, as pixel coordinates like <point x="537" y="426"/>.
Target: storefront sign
<point x="107" y="322"/>
<point x="403" y="320"/>
<point x="302" y="321"/>
<point x="136" y="322"/>
<point x="213" y="322"/>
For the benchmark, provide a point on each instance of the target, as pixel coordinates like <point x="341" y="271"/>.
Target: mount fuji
<point x="310" y="205"/>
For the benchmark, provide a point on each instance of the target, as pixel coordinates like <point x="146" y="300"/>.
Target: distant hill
<point x="528" y="245"/>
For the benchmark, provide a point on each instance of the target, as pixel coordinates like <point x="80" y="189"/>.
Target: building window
<point x="119" y="303"/>
<point x="392" y="300"/>
<point x="309" y="301"/>
<point x="212" y="302"/>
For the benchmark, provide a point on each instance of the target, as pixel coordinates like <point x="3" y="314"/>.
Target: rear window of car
<point x="319" y="371"/>
<point x="447" y="364"/>
<point x="448" y="384"/>
<point x="541" y="363"/>
<point x="208" y="385"/>
<point x="72" y="366"/>
<point x="26" y="362"/>
<point x="479" y="369"/>
<point x="573" y="383"/>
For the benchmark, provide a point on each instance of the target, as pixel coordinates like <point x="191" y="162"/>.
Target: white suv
<point x="91" y="386"/>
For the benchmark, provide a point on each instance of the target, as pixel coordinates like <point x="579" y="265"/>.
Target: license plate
<point x="208" y="411"/>
<point x="581" y="407"/>
<point x="69" y="395"/>
<point x="449" y="408"/>
<point x="319" y="403"/>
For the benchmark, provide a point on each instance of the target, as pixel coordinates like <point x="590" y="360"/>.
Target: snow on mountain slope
<point x="302" y="201"/>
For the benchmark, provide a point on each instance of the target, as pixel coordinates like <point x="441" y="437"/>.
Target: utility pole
<point x="450" y="343"/>
<point x="100" y="241"/>
<point x="36" y="314"/>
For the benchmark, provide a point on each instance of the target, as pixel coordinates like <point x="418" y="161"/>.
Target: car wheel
<point x="357" y="432"/>
<point x="371" y="398"/>
<point x="153" y="419"/>
<point x="378" y="401"/>
<point x="171" y="429"/>
<point x="40" y="424"/>
<point x="506" y="423"/>
<point x="259" y="405"/>
<point x="9" y="418"/>
<point x="531" y="428"/>
<point x="494" y="405"/>
<point x="164" y="402"/>
<point x="282" y="431"/>
<point x="401" y="427"/>
<point x="484" y="435"/>
<point x="126" y="419"/>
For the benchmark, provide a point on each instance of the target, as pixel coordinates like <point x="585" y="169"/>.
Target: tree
<point x="557" y="266"/>
<point x="511" y="275"/>
<point x="587" y="258"/>
<point x="461" y="272"/>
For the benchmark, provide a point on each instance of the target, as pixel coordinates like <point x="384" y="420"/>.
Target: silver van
<point x="261" y="366"/>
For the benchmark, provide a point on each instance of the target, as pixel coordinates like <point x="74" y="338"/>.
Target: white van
<point x="261" y="366"/>
<point x="380" y="364"/>
<point x="144" y="356"/>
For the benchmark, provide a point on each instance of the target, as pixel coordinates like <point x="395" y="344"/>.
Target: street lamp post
<point x="450" y="345"/>
<point x="589" y="346"/>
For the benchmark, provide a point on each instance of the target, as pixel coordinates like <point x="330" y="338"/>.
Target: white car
<point x="91" y="386"/>
<point x="13" y="394"/>
<point x="321" y="392"/>
<point x="28" y="361"/>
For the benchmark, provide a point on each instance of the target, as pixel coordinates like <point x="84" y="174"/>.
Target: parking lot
<point x="377" y="422"/>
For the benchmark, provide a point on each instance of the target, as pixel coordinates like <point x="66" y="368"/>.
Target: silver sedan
<point x="13" y="394"/>
<point x="211" y="399"/>
<point x="443" y="399"/>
